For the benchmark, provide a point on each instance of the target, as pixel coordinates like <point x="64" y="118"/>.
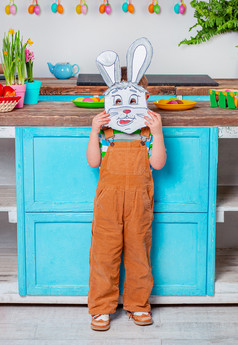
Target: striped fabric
<point x="103" y="143"/>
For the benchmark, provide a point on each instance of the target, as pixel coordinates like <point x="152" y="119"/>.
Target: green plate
<point x="88" y="104"/>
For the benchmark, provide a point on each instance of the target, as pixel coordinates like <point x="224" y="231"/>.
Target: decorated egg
<point x="88" y="99"/>
<point x="13" y="9"/>
<point x="156" y="9"/>
<point x="125" y="7"/>
<point x="31" y="9"/>
<point x="172" y="102"/>
<point x="181" y="9"/>
<point x="84" y="9"/>
<point x="102" y="100"/>
<point x="151" y="8"/>
<point x="163" y="101"/>
<point x="108" y="9"/>
<point x="7" y="9"/>
<point x="131" y="8"/>
<point x="54" y="7"/>
<point x="37" y="10"/>
<point x="102" y="8"/>
<point x="176" y="8"/>
<point x="60" y="9"/>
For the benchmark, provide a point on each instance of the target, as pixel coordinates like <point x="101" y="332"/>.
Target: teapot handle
<point x="75" y="65"/>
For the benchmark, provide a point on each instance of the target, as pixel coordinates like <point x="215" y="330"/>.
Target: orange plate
<point x="186" y="105"/>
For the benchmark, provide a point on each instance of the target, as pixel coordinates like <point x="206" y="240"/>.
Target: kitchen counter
<point x="53" y="86"/>
<point x="66" y="114"/>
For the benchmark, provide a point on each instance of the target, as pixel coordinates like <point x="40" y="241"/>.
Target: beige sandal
<point x="141" y="320"/>
<point x="100" y="325"/>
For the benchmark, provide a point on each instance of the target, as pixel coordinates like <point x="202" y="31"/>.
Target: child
<point x="122" y="219"/>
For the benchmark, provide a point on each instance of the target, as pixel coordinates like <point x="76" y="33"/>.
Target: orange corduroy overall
<point x="122" y="220"/>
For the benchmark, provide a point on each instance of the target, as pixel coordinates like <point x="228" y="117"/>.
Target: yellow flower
<point x="29" y="42"/>
<point x="11" y="31"/>
<point x="5" y="52"/>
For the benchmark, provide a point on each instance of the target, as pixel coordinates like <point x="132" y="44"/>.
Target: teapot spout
<point x="51" y="67"/>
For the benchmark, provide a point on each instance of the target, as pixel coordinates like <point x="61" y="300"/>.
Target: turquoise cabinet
<point x="55" y="194"/>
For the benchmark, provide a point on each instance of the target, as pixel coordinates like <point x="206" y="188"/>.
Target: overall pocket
<point x="125" y="161"/>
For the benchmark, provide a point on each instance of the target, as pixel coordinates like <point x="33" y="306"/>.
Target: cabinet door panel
<point x="56" y="173"/>
<point x="57" y="254"/>
<point x="182" y="185"/>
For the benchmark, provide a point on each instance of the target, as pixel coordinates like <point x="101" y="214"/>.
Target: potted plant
<point x="13" y="61"/>
<point x="32" y="86"/>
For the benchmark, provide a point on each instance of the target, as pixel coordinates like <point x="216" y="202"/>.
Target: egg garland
<point x="180" y="8"/>
<point x="82" y="7"/>
<point x="105" y="7"/>
<point x="128" y="7"/>
<point x="57" y="7"/>
<point x="154" y="7"/>
<point x="11" y="8"/>
<point x="34" y="8"/>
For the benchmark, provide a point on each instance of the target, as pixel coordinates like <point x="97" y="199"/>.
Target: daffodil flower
<point x="29" y="42"/>
<point x="11" y="31"/>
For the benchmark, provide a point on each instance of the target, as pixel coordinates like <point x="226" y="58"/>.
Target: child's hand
<point x="154" y="123"/>
<point x="99" y="120"/>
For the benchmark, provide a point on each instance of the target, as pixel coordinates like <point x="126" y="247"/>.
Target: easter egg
<point x="78" y="8"/>
<point x="176" y="8"/>
<point x="54" y="7"/>
<point x="37" y="10"/>
<point x="227" y="90"/>
<point x="79" y="99"/>
<point x="60" y="9"/>
<point x="88" y="99"/>
<point x="84" y="9"/>
<point x="156" y="9"/>
<point x="163" y="101"/>
<point x="125" y="7"/>
<point x="131" y="8"/>
<point x="179" y="101"/>
<point x="96" y="99"/>
<point x="235" y="100"/>
<point x="102" y="8"/>
<point x="108" y="9"/>
<point x="172" y="102"/>
<point x="181" y="9"/>
<point x="31" y="9"/>
<point x="7" y="9"/>
<point x="151" y="8"/>
<point x="102" y="100"/>
<point x="173" y="99"/>
<point x="13" y="9"/>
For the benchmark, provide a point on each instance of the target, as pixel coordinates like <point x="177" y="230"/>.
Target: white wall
<point x="79" y="38"/>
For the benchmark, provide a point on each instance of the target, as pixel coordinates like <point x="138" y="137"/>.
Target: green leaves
<point x="213" y="18"/>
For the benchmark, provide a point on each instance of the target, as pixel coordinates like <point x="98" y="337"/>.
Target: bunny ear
<point x="138" y="58"/>
<point x="109" y="67"/>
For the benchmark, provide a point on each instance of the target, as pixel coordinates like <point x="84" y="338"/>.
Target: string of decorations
<point x="105" y="7"/>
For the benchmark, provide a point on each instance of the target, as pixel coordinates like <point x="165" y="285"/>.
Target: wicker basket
<point x="8" y="103"/>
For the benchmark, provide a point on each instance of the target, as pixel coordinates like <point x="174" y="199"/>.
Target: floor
<point x="64" y="325"/>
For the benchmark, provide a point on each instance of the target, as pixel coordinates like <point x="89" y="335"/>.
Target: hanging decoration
<point x="154" y="7"/>
<point x="82" y="7"/>
<point x="57" y="7"/>
<point x="128" y="7"/>
<point x="34" y="8"/>
<point x="105" y="7"/>
<point x="180" y="7"/>
<point x="11" y="8"/>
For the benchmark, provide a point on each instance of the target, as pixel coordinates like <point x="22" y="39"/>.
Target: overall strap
<point x="108" y="132"/>
<point x="145" y="131"/>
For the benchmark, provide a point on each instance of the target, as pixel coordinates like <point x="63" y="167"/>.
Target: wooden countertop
<point x="53" y="86"/>
<point x="66" y="114"/>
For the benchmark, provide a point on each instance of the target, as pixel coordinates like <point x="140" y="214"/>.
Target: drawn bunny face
<point x="126" y="101"/>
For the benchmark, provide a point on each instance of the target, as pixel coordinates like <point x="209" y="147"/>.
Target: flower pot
<point x="32" y="92"/>
<point x="20" y="91"/>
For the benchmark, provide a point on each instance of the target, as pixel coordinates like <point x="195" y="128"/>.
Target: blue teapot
<point x="63" y="70"/>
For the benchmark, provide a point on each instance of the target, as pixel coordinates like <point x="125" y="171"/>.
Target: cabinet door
<point x="57" y="176"/>
<point x="57" y="253"/>
<point x="179" y="254"/>
<point x="182" y="185"/>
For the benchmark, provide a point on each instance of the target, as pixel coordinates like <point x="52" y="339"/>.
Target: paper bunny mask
<point x="126" y="101"/>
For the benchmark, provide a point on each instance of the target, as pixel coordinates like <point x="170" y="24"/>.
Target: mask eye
<point x="117" y="100"/>
<point x="133" y="99"/>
